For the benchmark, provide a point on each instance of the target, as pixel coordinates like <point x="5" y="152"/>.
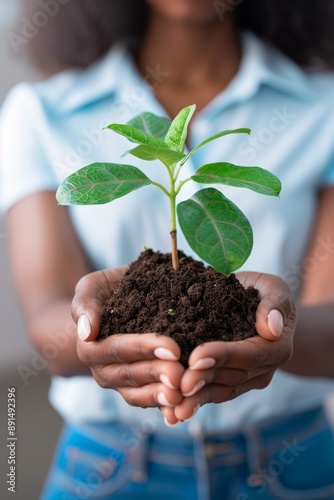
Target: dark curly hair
<point x="302" y="29"/>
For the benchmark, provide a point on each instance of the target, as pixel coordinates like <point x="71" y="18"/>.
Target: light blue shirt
<point x="51" y="129"/>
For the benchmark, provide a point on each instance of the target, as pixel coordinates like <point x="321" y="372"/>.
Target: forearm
<point x="52" y="331"/>
<point x="313" y="343"/>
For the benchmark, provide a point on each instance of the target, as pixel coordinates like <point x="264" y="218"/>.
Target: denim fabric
<point x="287" y="459"/>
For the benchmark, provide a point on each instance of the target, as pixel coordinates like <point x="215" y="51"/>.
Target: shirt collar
<point x="261" y="65"/>
<point x="104" y="78"/>
<point x="275" y="69"/>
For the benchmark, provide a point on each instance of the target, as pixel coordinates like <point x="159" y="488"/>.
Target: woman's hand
<point x="221" y="371"/>
<point x="143" y="368"/>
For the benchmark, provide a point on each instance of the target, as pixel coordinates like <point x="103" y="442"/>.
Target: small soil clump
<point x="194" y="305"/>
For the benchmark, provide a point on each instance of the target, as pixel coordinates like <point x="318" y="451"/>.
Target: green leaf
<point x="213" y="138"/>
<point x="216" y="230"/>
<point x="167" y="156"/>
<point x="100" y="183"/>
<point x="150" y="124"/>
<point x="254" y="178"/>
<point x="135" y="135"/>
<point x="177" y="133"/>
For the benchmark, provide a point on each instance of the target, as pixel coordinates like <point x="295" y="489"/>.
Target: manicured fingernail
<point x="84" y="328"/>
<point x="171" y="425"/>
<point x="197" y="407"/>
<point x="165" y="354"/>
<point x="165" y="380"/>
<point x="275" y="322"/>
<point x="203" y="364"/>
<point x="197" y="388"/>
<point x="162" y="399"/>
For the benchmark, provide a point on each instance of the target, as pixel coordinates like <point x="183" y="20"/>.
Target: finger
<point x="276" y="306"/>
<point x="140" y="373"/>
<point x="151" y="396"/>
<point x="91" y="293"/>
<point x="248" y="354"/>
<point x="169" y="416"/>
<point x="216" y="393"/>
<point x="128" y="348"/>
<point x="194" y="380"/>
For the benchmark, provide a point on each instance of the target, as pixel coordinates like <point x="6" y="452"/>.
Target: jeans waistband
<point x="228" y="445"/>
<point x="200" y="452"/>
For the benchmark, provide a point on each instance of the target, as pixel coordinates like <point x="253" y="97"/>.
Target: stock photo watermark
<point x="265" y="476"/>
<point x="39" y="20"/>
<point x="257" y="142"/>
<point x="11" y="439"/>
<point x="124" y="107"/>
<point x="298" y="272"/>
<point x="40" y="361"/>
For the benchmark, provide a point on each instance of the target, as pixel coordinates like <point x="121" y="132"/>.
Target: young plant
<point x="214" y="227"/>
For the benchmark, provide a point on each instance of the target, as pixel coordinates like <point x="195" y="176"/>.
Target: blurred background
<point x="38" y="425"/>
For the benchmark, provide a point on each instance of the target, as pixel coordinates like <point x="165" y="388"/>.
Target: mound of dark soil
<point x="193" y="305"/>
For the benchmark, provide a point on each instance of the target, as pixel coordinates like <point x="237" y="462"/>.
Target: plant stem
<point x="181" y="185"/>
<point x="163" y="189"/>
<point x="178" y="172"/>
<point x="173" y="233"/>
<point x="175" y="257"/>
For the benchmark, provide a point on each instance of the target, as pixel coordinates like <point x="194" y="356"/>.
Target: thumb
<point x="275" y="308"/>
<point x="91" y="293"/>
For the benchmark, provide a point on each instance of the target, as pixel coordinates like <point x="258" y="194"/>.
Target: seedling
<point x="214" y="227"/>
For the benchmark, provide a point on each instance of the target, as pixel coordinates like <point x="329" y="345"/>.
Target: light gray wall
<point x="13" y="68"/>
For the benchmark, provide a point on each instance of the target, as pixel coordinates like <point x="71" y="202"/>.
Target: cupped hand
<point x="143" y="368"/>
<point x="221" y="371"/>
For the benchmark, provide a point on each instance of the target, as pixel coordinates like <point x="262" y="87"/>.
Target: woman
<point x="272" y="444"/>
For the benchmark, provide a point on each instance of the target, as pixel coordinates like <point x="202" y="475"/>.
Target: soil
<point x="194" y="305"/>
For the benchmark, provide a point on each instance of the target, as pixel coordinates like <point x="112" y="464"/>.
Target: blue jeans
<point x="290" y="458"/>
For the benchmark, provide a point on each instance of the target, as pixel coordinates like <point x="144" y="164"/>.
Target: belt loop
<point x="139" y="454"/>
<point x="202" y="472"/>
<point x="252" y="448"/>
<point x="253" y="452"/>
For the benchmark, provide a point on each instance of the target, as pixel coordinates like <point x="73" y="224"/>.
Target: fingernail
<point x="197" y="407"/>
<point x="169" y="424"/>
<point x="162" y="399"/>
<point x="165" y="380"/>
<point x="165" y="354"/>
<point x="275" y="322"/>
<point x="84" y="328"/>
<point x="203" y="364"/>
<point x="197" y="388"/>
